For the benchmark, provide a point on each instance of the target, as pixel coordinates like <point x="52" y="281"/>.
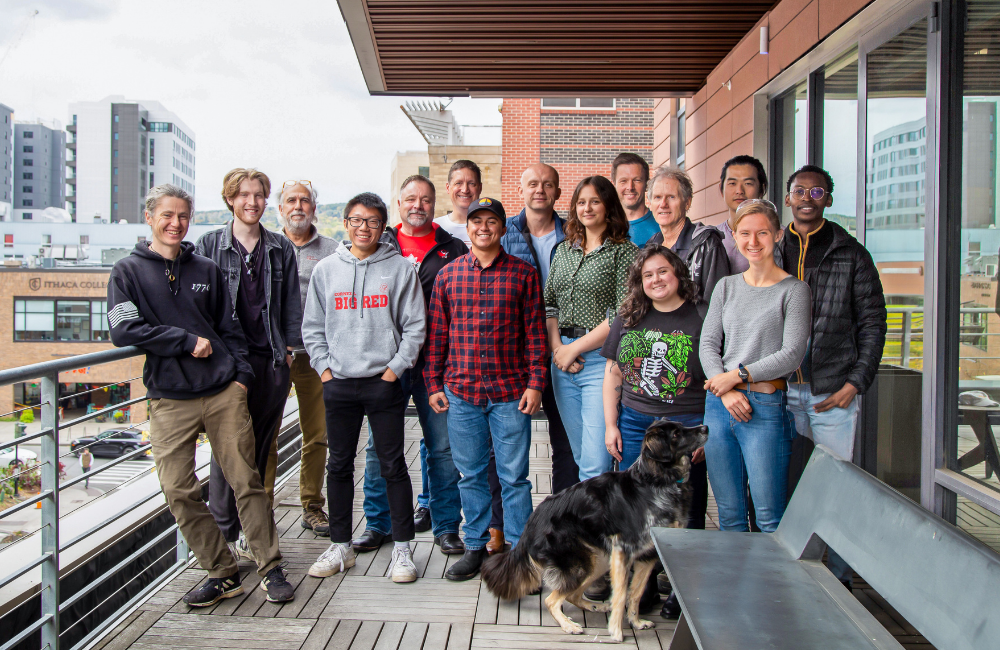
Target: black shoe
<point x="450" y="543"/>
<point x="663" y="584"/>
<point x="422" y="519"/>
<point x="278" y="589"/>
<point x="467" y="567"/>
<point x="650" y="598"/>
<point x="671" y="608"/>
<point x="214" y="590"/>
<point x="847" y="585"/>
<point x="598" y="590"/>
<point x="369" y="541"/>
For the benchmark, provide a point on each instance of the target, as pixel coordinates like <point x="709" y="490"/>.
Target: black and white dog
<point x="574" y="537"/>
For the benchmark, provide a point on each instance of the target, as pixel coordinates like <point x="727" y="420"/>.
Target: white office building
<point x="118" y="149"/>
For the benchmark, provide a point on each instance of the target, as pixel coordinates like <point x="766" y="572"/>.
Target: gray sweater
<point x="308" y="255"/>
<point x="764" y="328"/>
<point x="363" y="316"/>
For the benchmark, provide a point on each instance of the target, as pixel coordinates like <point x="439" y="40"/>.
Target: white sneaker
<point x="241" y="549"/>
<point x="336" y="559"/>
<point x="401" y="568"/>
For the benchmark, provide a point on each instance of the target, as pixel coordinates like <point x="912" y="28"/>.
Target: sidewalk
<point x="30" y="519"/>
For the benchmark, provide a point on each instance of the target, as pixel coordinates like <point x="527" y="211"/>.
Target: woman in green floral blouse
<point x="585" y="287"/>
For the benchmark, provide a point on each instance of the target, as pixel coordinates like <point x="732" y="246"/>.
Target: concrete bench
<point x="753" y="590"/>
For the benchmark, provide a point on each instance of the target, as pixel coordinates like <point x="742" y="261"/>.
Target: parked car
<point x="110" y="444"/>
<point x="24" y="456"/>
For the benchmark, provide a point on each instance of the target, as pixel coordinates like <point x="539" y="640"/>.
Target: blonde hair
<point x="758" y="208"/>
<point x="235" y="177"/>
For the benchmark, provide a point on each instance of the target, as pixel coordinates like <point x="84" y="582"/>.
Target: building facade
<point x="39" y="169"/>
<point x="118" y="150"/>
<point x="7" y="168"/>
<point x="580" y="137"/>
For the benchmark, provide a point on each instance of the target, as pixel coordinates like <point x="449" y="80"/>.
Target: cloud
<point x="271" y="85"/>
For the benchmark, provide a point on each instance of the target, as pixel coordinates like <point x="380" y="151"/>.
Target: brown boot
<point x="496" y="543"/>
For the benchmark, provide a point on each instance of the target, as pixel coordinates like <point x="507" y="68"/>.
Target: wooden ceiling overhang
<point x="515" y="48"/>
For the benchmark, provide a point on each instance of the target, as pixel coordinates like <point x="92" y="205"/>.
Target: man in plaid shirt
<point x="486" y="367"/>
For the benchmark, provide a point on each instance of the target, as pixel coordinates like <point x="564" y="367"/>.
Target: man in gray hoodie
<point x="363" y="327"/>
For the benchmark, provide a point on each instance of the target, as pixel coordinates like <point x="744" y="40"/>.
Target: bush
<point x="28" y="416"/>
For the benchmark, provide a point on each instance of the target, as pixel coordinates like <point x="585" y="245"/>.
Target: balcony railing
<point x="58" y="615"/>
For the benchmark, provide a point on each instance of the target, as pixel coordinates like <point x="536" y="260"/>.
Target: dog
<point x="574" y="537"/>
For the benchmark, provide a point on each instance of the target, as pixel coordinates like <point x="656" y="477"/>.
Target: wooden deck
<point x="363" y="610"/>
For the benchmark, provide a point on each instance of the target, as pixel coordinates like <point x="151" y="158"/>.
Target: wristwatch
<point x="744" y="374"/>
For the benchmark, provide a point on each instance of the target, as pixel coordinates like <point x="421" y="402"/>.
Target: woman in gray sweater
<point x="755" y="335"/>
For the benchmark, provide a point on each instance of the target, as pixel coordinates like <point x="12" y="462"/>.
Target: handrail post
<point x="182" y="547"/>
<point x="50" y="510"/>
<point x="907" y="335"/>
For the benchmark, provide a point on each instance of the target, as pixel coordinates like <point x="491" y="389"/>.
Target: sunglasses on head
<point x="749" y="202"/>
<point x="288" y="184"/>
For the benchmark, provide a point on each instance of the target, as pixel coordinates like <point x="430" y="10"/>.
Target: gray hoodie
<point x="363" y="316"/>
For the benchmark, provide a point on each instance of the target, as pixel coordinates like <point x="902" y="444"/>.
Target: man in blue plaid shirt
<point x="486" y="367"/>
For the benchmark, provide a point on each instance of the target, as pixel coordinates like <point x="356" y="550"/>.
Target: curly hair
<point x="617" y="229"/>
<point x="637" y="304"/>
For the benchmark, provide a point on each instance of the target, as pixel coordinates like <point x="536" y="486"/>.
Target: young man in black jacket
<point x="172" y="303"/>
<point x="262" y="277"/>
<point x="848" y="321"/>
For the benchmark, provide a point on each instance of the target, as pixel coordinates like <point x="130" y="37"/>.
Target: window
<point x="27" y="188"/>
<point x="26" y="216"/>
<point x="424" y="171"/>
<point x="152" y="184"/>
<point x="73" y="320"/>
<point x="29" y="134"/>
<point x="681" y="146"/>
<point x="116" y="119"/>
<point x="578" y="102"/>
<point x="789" y="126"/>
<point x="115" y="171"/>
<point x="28" y="149"/>
<point x="27" y="176"/>
<point x="99" y="330"/>
<point x="116" y="136"/>
<point x="28" y="162"/>
<point x="27" y="203"/>
<point x="34" y="320"/>
<point x="116" y="189"/>
<point x="84" y="239"/>
<point x="116" y="205"/>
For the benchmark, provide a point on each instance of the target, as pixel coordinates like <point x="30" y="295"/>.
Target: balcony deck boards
<point x="364" y="610"/>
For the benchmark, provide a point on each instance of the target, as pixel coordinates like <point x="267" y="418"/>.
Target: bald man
<point x="533" y="236"/>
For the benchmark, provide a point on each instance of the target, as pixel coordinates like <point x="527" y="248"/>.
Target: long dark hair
<point x="637" y="304"/>
<point x="617" y="230"/>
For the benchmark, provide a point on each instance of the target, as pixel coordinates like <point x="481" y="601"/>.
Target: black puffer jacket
<point x="848" y="314"/>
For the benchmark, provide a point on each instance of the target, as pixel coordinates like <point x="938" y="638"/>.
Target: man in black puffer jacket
<point x="848" y="321"/>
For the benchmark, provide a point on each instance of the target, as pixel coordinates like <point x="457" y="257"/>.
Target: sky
<point x="272" y="85"/>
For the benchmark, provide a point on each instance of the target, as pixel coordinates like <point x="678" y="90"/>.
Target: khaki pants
<point x="312" y="420"/>
<point x="174" y="426"/>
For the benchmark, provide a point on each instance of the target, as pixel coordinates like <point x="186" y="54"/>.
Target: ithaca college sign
<point x="36" y="284"/>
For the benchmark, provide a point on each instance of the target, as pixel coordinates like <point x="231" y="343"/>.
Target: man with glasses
<point x="297" y="217"/>
<point x="429" y="248"/>
<point x="262" y="281"/>
<point x="848" y="321"/>
<point x="363" y="327"/>
<point x="630" y="174"/>
<point x="743" y="177"/>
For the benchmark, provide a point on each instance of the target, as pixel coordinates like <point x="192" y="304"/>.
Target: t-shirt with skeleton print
<point x="658" y="359"/>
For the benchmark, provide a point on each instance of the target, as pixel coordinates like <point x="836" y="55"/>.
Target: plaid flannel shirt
<point x="486" y="331"/>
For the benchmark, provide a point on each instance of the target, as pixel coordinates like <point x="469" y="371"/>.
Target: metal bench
<point x="753" y="590"/>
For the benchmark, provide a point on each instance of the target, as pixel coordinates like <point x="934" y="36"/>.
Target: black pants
<point x="698" y="478"/>
<point x="266" y="398"/>
<point x="564" y="470"/>
<point x="347" y="402"/>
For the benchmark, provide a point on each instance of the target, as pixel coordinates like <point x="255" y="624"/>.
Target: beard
<point x="300" y="226"/>
<point x="417" y="218"/>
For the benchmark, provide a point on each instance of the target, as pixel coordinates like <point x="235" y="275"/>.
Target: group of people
<point x="622" y="313"/>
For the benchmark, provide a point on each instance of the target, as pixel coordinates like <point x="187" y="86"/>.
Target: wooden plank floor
<point x="363" y="610"/>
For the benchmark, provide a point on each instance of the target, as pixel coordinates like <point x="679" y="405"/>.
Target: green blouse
<point x="582" y="290"/>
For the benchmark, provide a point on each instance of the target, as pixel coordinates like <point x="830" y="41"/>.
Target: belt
<point x="766" y="387"/>
<point x="573" y="332"/>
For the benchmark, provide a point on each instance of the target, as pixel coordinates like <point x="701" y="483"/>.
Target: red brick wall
<point x="720" y="116"/>
<point x="578" y="143"/>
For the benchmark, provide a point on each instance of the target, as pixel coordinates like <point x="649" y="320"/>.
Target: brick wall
<point x="720" y="118"/>
<point x="578" y="143"/>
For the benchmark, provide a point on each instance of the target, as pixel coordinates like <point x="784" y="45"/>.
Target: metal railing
<point x="48" y="465"/>
<point x="906" y="328"/>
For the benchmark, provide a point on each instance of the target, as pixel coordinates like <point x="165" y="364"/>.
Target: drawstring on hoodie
<point x="354" y="283"/>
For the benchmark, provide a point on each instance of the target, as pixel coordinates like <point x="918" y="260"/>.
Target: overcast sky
<point x="272" y="85"/>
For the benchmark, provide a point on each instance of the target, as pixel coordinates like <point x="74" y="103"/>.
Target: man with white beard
<point x="297" y="217"/>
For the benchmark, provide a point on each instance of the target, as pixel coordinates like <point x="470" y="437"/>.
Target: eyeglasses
<point x="749" y="202"/>
<point x="288" y="184"/>
<point x="373" y="223"/>
<point x="815" y="193"/>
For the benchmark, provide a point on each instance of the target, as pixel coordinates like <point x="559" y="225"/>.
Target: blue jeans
<point x="835" y="429"/>
<point x="581" y="406"/>
<point x="471" y="429"/>
<point x="441" y="475"/>
<point x="632" y="424"/>
<point x="754" y="452"/>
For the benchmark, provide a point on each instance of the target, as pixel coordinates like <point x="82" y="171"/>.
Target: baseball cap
<point x="488" y="205"/>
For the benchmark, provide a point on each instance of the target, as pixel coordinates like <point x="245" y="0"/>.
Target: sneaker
<point x="214" y="590"/>
<point x="401" y="568"/>
<point x="278" y="589"/>
<point x="241" y="549"/>
<point x="336" y="559"/>
<point x="316" y="521"/>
